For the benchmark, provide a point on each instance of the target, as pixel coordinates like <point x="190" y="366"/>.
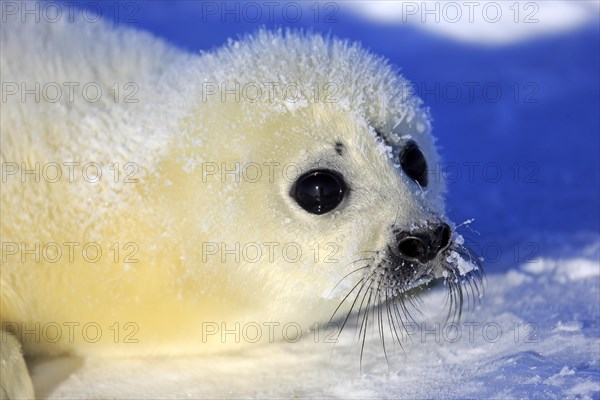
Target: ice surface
<point x="535" y="336"/>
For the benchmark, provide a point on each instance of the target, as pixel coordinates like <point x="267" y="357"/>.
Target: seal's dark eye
<point x="413" y="163"/>
<point x="320" y="191"/>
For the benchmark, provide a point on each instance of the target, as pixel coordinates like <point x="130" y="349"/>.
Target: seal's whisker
<point x="344" y="299"/>
<point x="366" y="309"/>
<point x="457" y="303"/>
<point x="450" y="301"/>
<point x="416" y="306"/>
<point x="391" y="323"/>
<point x="350" y="273"/>
<point x="405" y="310"/>
<point x="380" y="323"/>
<point x="467" y="225"/>
<point x="364" y="324"/>
<point x="453" y="305"/>
<point x="470" y="294"/>
<point x="362" y="284"/>
<point x="476" y="284"/>
<point x="400" y="318"/>
<point x="455" y="293"/>
<point x="460" y="300"/>
<point x="358" y="295"/>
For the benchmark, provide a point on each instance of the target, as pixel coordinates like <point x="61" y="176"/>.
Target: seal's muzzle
<point x="424" y="246"/>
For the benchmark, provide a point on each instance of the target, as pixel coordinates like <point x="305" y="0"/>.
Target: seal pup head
<point x="310" y="145"/>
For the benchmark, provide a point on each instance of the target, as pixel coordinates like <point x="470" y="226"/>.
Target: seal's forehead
<point x="294" y="69"/>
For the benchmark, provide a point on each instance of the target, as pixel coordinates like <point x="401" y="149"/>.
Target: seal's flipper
<point x="15" y="382"/>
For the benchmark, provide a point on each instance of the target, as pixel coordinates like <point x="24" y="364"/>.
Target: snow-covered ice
<point x="534" y="336"/>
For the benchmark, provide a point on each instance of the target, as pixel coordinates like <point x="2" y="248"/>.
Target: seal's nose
<point x="424" y="246"/>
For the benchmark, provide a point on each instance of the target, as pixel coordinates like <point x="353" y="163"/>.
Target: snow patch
<point x="585" y="390"/>
<point x="463" y="266"/>
<point x="572" y="326"/>
<point x="564" y="271"/>
<point x="487" y="22"/>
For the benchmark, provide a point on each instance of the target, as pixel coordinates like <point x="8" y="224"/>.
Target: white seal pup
<point x="156" y="202"/>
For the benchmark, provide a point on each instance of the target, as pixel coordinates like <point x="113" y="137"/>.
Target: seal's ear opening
<point x="320" y="191"/>
<point x="412" y="161"/>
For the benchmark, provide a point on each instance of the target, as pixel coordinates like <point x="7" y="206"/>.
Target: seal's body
<point x="162" y="198"/>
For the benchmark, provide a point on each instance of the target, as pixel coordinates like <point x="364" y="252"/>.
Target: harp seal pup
<point x="156" y="202"/>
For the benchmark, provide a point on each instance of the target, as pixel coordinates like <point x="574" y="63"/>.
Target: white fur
<point x="171" y="133"/>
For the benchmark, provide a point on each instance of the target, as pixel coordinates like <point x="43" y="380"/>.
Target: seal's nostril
<point x="424" y="246"/>
<point x="445" y="236"/>
<point x="412" y="247"/>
